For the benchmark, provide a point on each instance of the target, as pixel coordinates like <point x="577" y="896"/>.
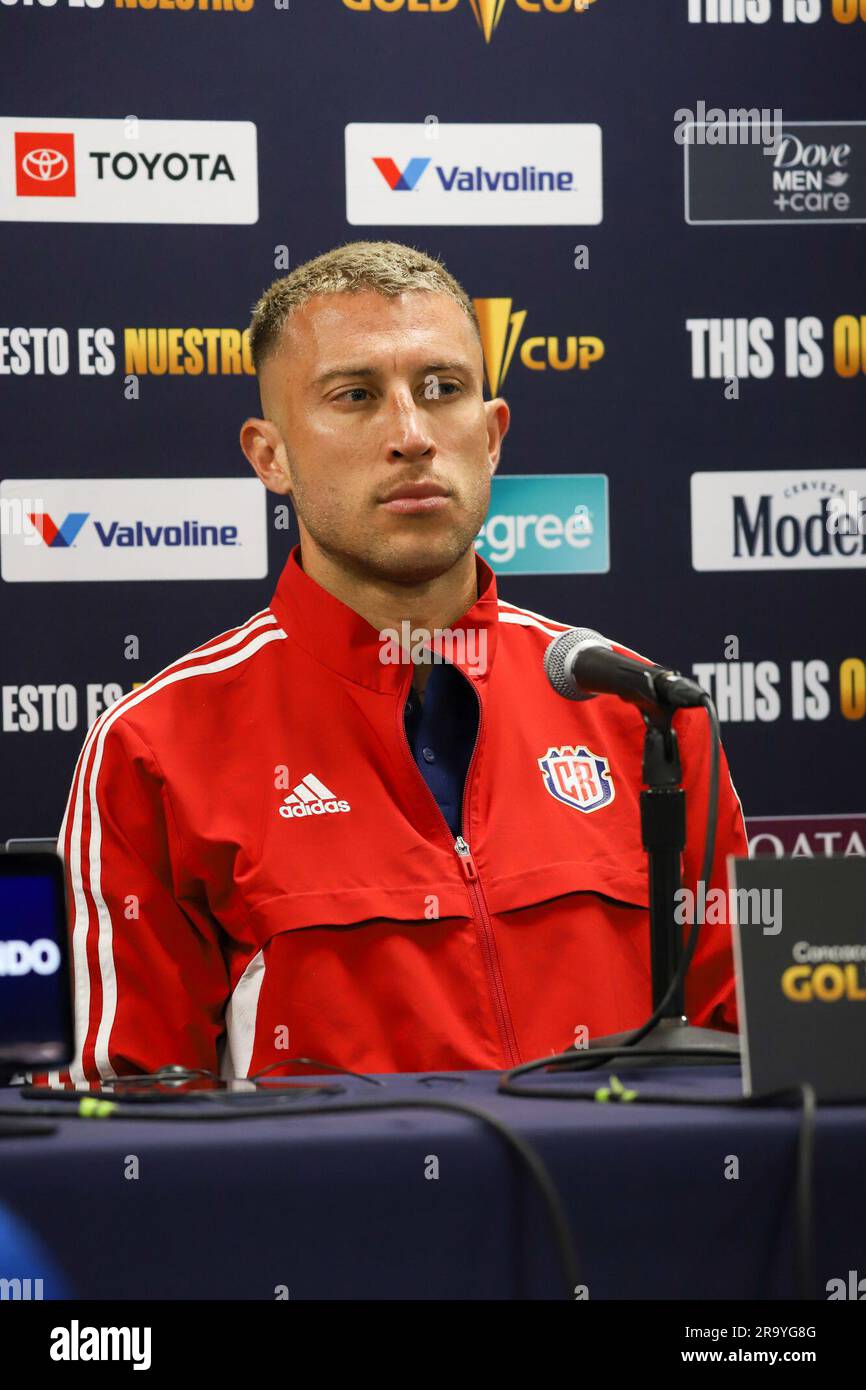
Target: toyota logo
<point x="45" y="165"/>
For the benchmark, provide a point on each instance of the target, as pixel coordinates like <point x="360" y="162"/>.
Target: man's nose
<point x="408" y="432"/>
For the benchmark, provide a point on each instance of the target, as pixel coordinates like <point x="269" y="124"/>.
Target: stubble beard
<point x="367" y="553"/>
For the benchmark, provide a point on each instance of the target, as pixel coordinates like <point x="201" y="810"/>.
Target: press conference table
<point x="349" y="1206"/>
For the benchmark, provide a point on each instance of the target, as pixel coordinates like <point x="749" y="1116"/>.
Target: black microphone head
<point x="557" y="660"/>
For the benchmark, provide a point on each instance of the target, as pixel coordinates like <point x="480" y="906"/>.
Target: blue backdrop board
<point x="658" y="209"/>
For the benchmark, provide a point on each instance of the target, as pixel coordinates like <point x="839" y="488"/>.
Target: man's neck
<point x="436" y="603"/>
<point x="420" y="678"/>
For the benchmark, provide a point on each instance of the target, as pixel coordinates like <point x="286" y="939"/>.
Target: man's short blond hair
<point x="388" y="267"/>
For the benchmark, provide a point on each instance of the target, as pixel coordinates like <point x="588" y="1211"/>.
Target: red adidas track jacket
<point x="257" y="870"/>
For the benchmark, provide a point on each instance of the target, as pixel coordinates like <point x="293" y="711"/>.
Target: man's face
<point x="377" y="429"/>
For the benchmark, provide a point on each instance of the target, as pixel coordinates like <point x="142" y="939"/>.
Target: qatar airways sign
<point x="809" y="837"/>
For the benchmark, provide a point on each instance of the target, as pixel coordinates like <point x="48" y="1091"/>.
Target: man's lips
<point x="416" y="497"/>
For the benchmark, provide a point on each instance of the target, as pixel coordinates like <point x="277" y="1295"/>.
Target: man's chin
<point x="415" y="560"/>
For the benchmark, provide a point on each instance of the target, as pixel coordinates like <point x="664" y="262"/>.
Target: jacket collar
<point x="339" y="638"/>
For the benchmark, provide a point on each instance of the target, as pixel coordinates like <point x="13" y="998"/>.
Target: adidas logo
<point x="311" y="798"/>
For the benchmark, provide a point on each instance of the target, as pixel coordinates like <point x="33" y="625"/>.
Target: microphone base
<point x="674" y="1037"/>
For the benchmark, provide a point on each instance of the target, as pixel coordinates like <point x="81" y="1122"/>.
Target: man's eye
<point x="431" y="391"/>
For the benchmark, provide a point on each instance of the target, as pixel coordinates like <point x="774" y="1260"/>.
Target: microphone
<point x="581" y="664"/>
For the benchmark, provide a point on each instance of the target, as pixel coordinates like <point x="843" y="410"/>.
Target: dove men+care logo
<point x="814" y="171"/>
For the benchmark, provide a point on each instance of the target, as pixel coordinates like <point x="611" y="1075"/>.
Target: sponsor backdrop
<point x="659" y="210"/>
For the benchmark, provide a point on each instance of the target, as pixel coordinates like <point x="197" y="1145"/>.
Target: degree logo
<point x="397" y="182"/>
<point x="58" y="536"/>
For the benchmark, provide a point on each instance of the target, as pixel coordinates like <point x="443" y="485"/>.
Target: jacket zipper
<point x="476" y="892"/>
<point x="470" y="873"/>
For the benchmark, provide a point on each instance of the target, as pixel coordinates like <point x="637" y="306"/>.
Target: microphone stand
<point x="663" y="832"/>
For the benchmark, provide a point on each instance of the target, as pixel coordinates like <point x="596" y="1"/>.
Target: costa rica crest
<point x="578" y="777"/>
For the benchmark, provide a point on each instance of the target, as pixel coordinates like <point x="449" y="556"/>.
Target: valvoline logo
<point x="473" y="173"/>
<point x="99" y="530"/>
<point x="478" y="178"/>
<point x="58" y="536"/>
<point x="401" y="183"/>
<point x="136" y="533"/>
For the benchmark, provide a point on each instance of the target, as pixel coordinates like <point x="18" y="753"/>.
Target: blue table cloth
<point x="426" y="1205"/>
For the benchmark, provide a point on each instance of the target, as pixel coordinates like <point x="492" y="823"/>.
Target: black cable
<point x="713" y="806"/>
<point x="804" y="1204"/>
<point x="597" y="1055"/>
<point x="805" y="1187"/>
<point x="679" y="976"/>
<point x="569" y="1061"/>
<point x="279" y="1105"/>
<point x="312" y="1062"/>
<point x="169" y="1081"/>
<point x="594" y="1057"/>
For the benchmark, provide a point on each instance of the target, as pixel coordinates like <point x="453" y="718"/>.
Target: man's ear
<point x="498" y="421"/>
<point x="263" y="446"/>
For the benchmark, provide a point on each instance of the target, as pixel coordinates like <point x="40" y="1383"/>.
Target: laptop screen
<point x="35" y="1004"/>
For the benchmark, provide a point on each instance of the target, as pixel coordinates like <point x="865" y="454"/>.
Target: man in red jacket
<point x="312" y="837"/>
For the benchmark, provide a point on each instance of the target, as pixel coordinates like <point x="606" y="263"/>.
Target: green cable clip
<point x="90" y="1108"/>
<point x="616" y="1092"/>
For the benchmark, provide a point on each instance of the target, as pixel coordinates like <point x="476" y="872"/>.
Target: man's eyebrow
<point x="448" y="367"/>
<point x="342" y="371"/>
<point x="336" y="372"/>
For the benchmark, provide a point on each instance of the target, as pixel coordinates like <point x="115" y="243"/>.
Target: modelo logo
<point x="765" y="534"/>
<point x="42" y="957"/>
